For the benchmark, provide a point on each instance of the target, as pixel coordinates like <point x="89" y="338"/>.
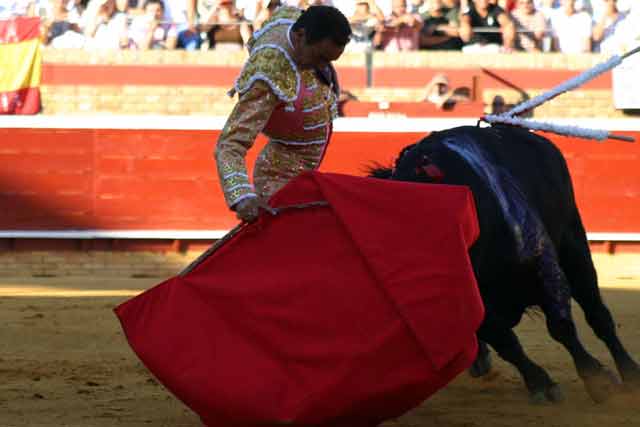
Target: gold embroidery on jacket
<point x="247" y="119"/>
<point x="270" y="79"/>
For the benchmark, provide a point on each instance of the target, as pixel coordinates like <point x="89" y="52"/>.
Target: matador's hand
<point x="247" y="209"/>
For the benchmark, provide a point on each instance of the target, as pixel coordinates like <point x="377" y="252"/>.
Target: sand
<point x="64" y="362"/>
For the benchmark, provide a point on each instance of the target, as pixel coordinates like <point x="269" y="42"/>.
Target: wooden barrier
<point x="116" y="174"/>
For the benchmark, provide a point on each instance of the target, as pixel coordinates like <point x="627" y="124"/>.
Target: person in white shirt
<point x="626" y="35"/>
<point x="266" y="9"/>
<point x="605" y="32"/>
<point x="11" y="8"/>
<point x="248" y="8"/>
<point x="303" y="4"/>
<point x="599" y="8"/>
<point x="106" y="28"/>
<point x="365" y="19"/>
<point x="547" y="7"/>
<point x="182" y="13"/>
<point x="148" y="31"/>
<point x="571" y="28"/>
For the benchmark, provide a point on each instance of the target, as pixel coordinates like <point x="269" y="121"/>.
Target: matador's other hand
<point x="247" y="209"/>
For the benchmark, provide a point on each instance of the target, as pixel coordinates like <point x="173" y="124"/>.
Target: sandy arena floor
<point x="64" y="362"/>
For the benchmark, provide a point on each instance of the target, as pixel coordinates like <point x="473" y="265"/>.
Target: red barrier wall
<point x="60" y="179"/>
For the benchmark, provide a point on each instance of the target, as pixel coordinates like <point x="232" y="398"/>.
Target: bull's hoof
<point x="631" y="378"/>
<point x="480" y="368"/>
<point x="482" y="365"/>
<point x="537" y="398"/>
<point x="602" y="385"/>
<point x="552" y="394"/>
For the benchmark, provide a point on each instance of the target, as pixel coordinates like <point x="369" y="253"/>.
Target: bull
<point x="532" y="252"/>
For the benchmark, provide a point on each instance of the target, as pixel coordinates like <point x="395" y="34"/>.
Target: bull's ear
<point x="404" y="151"/>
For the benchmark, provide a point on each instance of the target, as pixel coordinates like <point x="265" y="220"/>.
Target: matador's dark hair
<point x="322" y="22"/>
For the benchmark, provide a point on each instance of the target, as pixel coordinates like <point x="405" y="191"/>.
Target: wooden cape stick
<point x="235" y="230"/>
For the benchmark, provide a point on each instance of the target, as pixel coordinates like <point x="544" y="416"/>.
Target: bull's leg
<point x="557" y="308"/>
<point x="599" y="382"/>
<point x="576" y="262"/>
<point x="482" y="365"/>
<point x="505" y="342"/>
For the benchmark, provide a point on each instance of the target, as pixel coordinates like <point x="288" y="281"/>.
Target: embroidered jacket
<point x="293" y="107"/>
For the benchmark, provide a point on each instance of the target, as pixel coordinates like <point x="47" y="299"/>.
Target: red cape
<point x="339" y="315"/>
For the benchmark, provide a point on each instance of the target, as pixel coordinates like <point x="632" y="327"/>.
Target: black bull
<point x="532" y="249"/>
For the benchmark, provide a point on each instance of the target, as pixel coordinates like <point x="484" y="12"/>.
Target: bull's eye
<point x="433" y="172"/>
<point x="421" y="162"/>
<point x="426" y="168"/>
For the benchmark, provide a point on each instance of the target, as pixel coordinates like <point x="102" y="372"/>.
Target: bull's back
<point x="537" y="167"/>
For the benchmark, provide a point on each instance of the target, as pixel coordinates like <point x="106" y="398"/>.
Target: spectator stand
<point x="375" y="89"/>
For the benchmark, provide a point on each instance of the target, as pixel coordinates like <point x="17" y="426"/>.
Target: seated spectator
<point x="365" y="20"/>
<point x="419" y="6"/>
<point x="628" y="31"/>
<point x="106" y="28"/>
<point x="442" y="95"/>
<point x="122" y="6"/>
<point x="546" y="4"/>
<point x="438" y="91"/>
<point x="595" y="8"/>
<point x="344" y="98"/>
<point x="530" y="25"/>
<point x="303" y="4"/>
<point x="366" y="12"/>
<point x="401" y="30"/>
<point x="547" y="8"/>
<point x="11" y="8"/>
<point x="604" y="33"/>
<point x="571" y="29"/>
<point x="265" y="11"/>
<point x="506" y="5"/>
<point x="318" y="2"/>
<point x="135" y="7"/>
<point x="75" y="10"/>
<point x="192" y="34"/>
<point x="226" y="28"/>
<point x="485" y="27"/>
<point x="148" y="31"/>
<point x="62" y="28"/>
<point x="192" y="39"/>
<point x="249" y="8"/>
<point x="499" y="105"/>
<point x="182" y="13"/>
<point x="585" y="6"/>
<point x="441" y="26"/>
<point x="600" y="6"/>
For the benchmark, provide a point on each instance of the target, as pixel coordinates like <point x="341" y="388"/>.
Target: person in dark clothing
<point x="486" y="27"/>
<point x="441" y="26"/>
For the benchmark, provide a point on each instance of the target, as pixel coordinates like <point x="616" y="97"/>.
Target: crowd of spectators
<point x="568" y="26"/>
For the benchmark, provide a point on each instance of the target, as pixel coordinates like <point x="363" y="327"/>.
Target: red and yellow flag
<point x="20" y="66"/>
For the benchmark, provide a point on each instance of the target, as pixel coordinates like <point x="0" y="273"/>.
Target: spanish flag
<point x="20" y="66"/>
